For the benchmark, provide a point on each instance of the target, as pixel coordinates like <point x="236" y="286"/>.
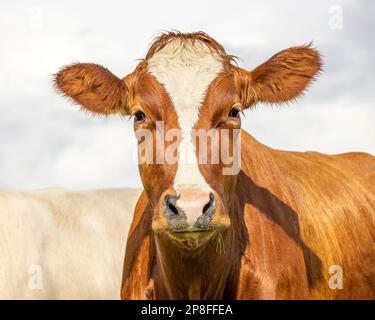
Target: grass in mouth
<point x="220" y="245"/>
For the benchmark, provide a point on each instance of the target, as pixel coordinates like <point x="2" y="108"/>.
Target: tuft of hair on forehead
<point x="195" y="39"/>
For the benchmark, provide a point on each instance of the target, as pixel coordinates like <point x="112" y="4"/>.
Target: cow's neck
<point x="274" y="253"/>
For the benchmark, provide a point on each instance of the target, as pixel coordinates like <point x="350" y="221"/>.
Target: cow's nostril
<point x="206" y="207"/>
<point x="210" y="204"/>
<point x="173" y="208"/>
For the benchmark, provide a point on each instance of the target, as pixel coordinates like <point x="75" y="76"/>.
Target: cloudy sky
<point x="44" y="141"/>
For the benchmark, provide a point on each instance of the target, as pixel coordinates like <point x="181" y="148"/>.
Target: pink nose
<point x="191" y="207"/>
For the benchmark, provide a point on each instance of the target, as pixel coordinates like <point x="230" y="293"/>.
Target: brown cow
<point x="288" y="225"/>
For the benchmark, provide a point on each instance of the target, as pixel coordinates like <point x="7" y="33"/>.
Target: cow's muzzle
<point x="191" y="216"/>
<point x="190" y="210"/>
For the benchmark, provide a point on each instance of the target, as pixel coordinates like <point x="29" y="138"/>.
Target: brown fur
<point x="292" y="215"/>
<point x="281" y="78"/>
<point x="93" y="87"/>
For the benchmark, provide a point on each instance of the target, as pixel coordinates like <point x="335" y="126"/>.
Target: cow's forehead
<point x="186" y="68"/>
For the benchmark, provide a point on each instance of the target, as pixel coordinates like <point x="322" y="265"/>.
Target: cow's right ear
<point x="93" y="87"/>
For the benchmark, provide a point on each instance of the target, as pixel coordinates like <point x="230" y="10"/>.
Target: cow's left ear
<point x="93" y="87"/>
<point x="282" y="78"/>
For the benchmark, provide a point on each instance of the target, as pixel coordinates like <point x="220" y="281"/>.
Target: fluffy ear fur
<point x="93" y="87"/>
<point x="282" y="78"/>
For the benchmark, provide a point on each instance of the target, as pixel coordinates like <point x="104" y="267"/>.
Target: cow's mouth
<point x="191" y="239"/>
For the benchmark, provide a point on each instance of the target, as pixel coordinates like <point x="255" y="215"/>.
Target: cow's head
<point x="188" y="85"/>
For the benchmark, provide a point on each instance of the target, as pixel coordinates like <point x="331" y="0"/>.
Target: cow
<point x="62" y="244"/>
<point x="285" y="225"/>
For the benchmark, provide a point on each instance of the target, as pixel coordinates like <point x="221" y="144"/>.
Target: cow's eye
<point x="234" y="113"/>
<point x="139" y="116"/>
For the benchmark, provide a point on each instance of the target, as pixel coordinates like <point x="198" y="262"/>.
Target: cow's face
<point x="186" y="98"/>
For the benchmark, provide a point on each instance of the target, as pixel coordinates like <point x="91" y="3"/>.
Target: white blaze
<point x="186" y="71"/>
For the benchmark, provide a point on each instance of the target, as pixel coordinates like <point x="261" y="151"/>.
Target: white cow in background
<point x="60" y="244"/>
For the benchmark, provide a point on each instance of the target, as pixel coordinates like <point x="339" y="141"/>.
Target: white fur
<point x="186" y="71"/>
<point x="60" y="244"/>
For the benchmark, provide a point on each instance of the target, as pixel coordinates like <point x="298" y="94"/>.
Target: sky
<point x="47" y="142"/>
